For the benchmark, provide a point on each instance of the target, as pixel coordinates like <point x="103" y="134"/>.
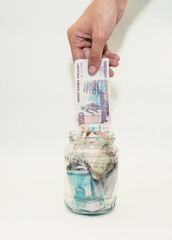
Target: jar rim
<point x="99" y="136"/>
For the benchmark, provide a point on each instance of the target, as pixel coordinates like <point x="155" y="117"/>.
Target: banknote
<point x="84" y="190"/>
<point x="82" y="185"/>
<point x="92" y="96"/>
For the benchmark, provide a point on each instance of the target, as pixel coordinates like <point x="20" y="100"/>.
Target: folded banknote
<point x="92" y="96"/>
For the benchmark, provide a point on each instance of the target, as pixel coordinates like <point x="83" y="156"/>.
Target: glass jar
<point x="91" y="167"/>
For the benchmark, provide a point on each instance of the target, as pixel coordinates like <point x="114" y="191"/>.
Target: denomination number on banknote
<point x="81" y="118"/>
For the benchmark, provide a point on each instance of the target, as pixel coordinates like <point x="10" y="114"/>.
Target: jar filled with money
<point x="91" y="167"/>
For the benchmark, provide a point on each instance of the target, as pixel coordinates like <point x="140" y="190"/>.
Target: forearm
<point x="121" y="6"/>
<point x="114" y="5"/>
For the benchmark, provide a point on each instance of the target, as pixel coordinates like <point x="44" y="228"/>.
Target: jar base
<point x="91" y="206"/>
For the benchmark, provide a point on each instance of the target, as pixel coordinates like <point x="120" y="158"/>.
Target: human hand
<point x="89" y="35"/>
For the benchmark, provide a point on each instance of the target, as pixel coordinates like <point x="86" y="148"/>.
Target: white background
<point x="37" y="112"/>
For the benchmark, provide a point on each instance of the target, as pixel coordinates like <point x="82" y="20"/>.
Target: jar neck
<point x="93" y="136"/>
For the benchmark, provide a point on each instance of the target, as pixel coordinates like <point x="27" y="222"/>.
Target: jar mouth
<point x="93" y="136"/>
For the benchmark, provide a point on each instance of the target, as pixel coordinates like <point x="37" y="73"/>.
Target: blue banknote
<point x="84" y="188"/>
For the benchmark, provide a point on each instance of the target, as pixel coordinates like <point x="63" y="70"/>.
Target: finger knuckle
<point x="101" y="37"/>
<point x="69" y="31"/>
<point x="94" y="57"/>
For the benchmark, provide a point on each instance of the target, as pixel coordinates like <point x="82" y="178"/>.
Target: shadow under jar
<point x="91" y="168"/>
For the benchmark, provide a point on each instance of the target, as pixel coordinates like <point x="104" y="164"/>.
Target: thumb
<point x="95" y="56"/>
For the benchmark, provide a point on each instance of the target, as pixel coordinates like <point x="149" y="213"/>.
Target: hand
<point x="89" y="35"/>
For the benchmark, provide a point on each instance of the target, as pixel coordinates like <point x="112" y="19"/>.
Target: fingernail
<point x="92" y="70"/>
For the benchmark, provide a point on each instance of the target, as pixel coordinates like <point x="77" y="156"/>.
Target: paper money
<point x="92" y="96"/>
<point x="86" y="193"/>
<point x="82" y="184"/>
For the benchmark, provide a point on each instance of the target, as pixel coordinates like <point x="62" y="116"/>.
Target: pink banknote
<point x="92" y="96"/>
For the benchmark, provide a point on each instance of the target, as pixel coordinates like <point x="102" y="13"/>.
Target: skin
<point x="88" y="36"/>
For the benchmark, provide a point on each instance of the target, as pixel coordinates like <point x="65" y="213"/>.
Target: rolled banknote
<point x="92" y="96"/>
<point x="100" y="159"/>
